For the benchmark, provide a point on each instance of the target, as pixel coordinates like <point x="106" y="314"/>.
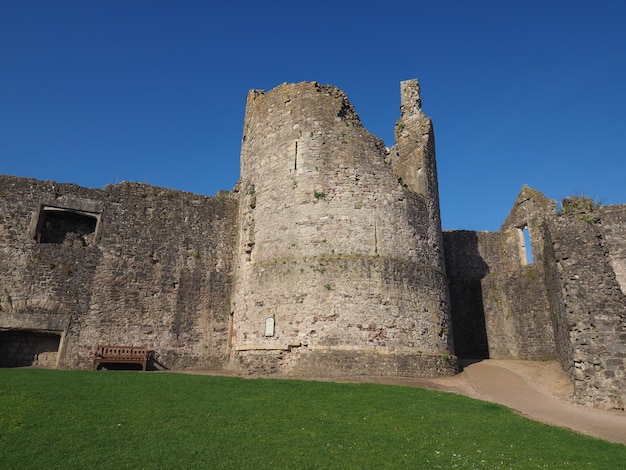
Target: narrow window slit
<point x="527" y="249"/>
<point x="375" y="238"/>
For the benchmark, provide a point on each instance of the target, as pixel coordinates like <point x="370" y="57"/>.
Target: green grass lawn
<point x="120" y="419"/>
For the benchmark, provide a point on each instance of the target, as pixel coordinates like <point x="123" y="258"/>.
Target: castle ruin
<point x="326" y="260"/>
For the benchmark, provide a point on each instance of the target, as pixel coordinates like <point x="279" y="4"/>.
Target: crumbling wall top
<point x="411" y="103"/>
<point x="289" y="95"/>
<point x="529" y="205"/>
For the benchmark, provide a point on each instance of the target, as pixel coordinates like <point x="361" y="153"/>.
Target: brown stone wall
<point x="588" y="307"/>
<point x="347" y="363"/>
<point x="568" y="303"/>
<point x="156" y="272"/>
<point x="334" y="247"/>
<point x="517" y="315"/>
<point x="499" y="302"/>
<point x="613" y="223"/>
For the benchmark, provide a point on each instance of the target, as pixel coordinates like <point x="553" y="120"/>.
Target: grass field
<point x="120" y="419"/>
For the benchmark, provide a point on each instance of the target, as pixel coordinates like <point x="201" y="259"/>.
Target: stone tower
<point x="339" y="267"/>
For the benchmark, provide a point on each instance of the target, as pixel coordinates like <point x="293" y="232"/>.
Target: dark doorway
<point x="21" y="348"/>
<point x="62" y="226"/>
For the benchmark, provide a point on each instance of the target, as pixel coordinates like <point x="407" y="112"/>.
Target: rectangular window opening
<point x="64" y="226"/>
<point x="527" y="245"/>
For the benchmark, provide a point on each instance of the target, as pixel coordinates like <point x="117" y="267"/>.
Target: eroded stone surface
<point x="333" y="238"/>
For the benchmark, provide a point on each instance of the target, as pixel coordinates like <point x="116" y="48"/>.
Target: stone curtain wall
<point x="517" y="315"/>
<point x="499" y="303"/>
<point x="588" y="306"/>
<point x="466" y="267"/>
<point x="613" y="222"/>
<point x="514" y="294"/>
<point x="499" y="306"/>
<point x="157" y="272"/>
<point x="334" y="248"/>
<point x="45" y="287"/>
<point x="568" y="303"/>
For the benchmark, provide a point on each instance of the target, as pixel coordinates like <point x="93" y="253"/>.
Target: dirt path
<point x="541" y="393"/>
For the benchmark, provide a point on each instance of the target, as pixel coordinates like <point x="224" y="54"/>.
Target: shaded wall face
<point x="466" y="268"/>
<point x="569" y="303"/>
<point x="517" y="315"/>
<point x="614" y="229"/>
<point x="153" y="270"/>
<point x="499" y="305"/>
<point x="588" y="308"/>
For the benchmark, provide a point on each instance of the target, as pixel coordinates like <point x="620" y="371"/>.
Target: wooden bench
<point x="105" y="354"/>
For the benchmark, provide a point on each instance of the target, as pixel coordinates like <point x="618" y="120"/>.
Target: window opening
<point x="527" y="245"/>
<point x="295" y="162"/>
<point x="61" y="226"/>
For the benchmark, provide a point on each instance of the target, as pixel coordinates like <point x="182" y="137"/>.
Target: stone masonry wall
<point x="156" y="272"/>
<point x="514" y="293"/>
<point x="517" y="316"/>
<point x="413" y="158"/>
<point x="334" y="249"/>
<point x="613" y="222"/>
<point x="499" y="302"/>
<point x="466" y="267"/>
<point x="587" y="304"/>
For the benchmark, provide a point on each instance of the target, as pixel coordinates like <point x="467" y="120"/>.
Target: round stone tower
<point x="339" y="266"/>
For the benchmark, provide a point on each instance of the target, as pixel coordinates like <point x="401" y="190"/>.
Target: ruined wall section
<point x="333" y="248"/>
<point x="166" y="273"/>
<point x="467" y="263"/>
<point x="613" y="222"/>
<point x="517" y="316"/>
<point x="45" y="286"/>
<point x="156" y="271"/>
<point x="588" y="307"/>
<point x="520" y="329"/>
<point x="413" y="157"/>
<point x="489" y="274"/>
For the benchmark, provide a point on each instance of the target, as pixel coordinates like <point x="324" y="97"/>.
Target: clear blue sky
<point x="99" y="92"/>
